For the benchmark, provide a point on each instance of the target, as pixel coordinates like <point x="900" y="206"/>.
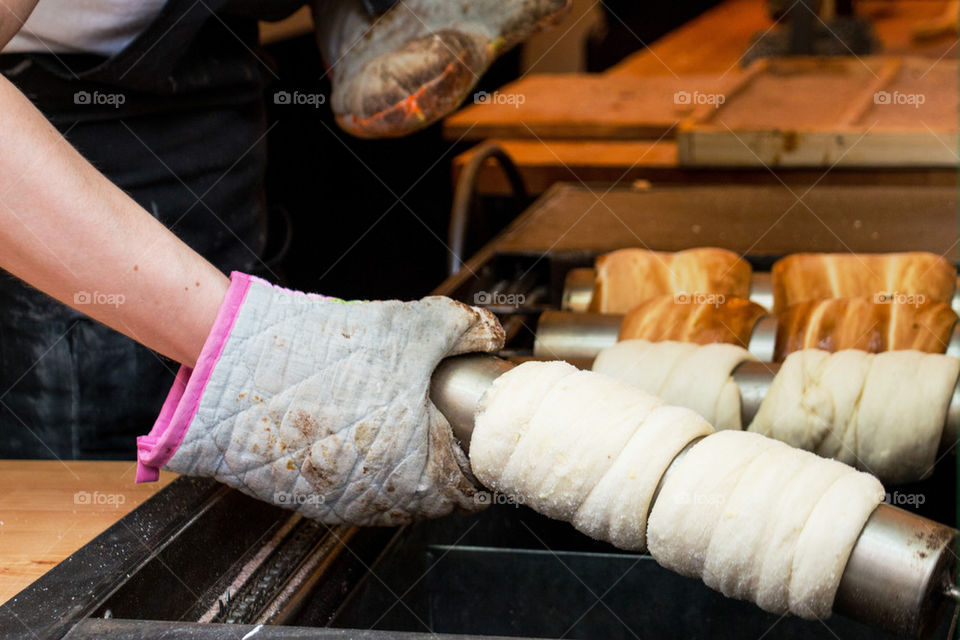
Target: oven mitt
<point x="323" y="406"/>
<point x="400" y="71"/>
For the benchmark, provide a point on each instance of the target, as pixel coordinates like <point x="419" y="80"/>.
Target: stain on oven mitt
<point x="323" y="406"/>
<point x="399" y="71"/>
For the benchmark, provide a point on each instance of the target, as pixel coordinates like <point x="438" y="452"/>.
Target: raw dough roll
<point x="627" y="277"/>
<point x="692" y="499"/>
<point x="699" y="377"/>
<point x="883" y="413"/>
<point x="734" y="558"/>
<point x="617" y="508"/>
<point x="794" y="505"/>
<point x="576" y="433"/>
<point x="760" y="521"/>
<point x="518" y="394"/>
<point x="579" y="446"/>
<point x="825" y="543"/>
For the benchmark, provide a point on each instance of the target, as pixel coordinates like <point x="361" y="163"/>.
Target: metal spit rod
<point x="578" y="290"/>
<point x="562" y="335"/>
<point x="900" y="574"/>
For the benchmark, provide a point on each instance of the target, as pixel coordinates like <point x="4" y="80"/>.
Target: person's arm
<point x="13" y="13"/>
<point x="67" y="230"/>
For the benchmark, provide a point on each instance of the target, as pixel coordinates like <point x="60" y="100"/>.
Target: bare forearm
<point x="65" y="229"/>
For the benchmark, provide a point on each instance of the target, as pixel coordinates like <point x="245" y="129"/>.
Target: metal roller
<point x="578" y="290"/>
<point x="563" y="335"/>
<point x="900" y="574"/>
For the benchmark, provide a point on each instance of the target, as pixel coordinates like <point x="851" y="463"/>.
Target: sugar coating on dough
<point x="693" y="497"/>
<point x="688" y="375"/>
<point x="779" y="530"/>
<point x="574" y="436"/>
<point x="794" y="504"/>
<point x="579" y="446"/>
<point x="883" y="413"/>
<point x="824" y="545"/>
<point x="735" y="554"/>
<point x="505" y="412"/>
<point x="617" y="508"/>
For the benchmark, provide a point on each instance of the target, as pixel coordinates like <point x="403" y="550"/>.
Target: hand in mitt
<point x="323" y="406"/>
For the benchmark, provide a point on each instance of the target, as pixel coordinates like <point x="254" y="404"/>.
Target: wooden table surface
<point x="713" y="43"/>
<point x="49" y="509"/>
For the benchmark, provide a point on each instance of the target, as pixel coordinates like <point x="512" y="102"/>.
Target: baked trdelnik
<point x="865" y="324"/>
<point x="803" y="277"/>
<point x="724" y="320"/>
<point x="627" y="277"/>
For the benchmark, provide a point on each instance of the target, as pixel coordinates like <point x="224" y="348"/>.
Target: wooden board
<point x="584" y="106"/>
<point x="826" y="112"/>
<point x="715" y="41"/>
<point x="543" y="162"/>
<point x="749" y="220"/>
<point x="49" y="509"/>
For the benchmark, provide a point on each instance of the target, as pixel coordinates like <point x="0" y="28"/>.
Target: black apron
<point x="186" y="141"/>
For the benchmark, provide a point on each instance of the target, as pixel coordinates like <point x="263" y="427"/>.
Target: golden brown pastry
<point x="627" y="277"/>
<point x="691" y="320"/>
<point x="817" y="276"/>
<point x="861" y="323"/>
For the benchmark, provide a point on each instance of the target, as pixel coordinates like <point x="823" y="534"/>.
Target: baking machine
<point x="202" y="561"/>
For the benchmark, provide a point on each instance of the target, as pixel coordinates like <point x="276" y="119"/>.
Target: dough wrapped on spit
<point x="862" y="323"/>
<point x="697" y="319"/>
<point x="578" y="446"/>
<point x="804" y="277"/>
<point x="581" y="447"/>
<point x="883" y="413"/>
<point x="627" y="277"/>
<point x="758" y="520"/>
<point x="699" y="377"/>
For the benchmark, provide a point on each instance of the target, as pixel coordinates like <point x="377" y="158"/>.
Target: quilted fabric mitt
<point x="323" y="406"/>
<point x="400" y="71"/>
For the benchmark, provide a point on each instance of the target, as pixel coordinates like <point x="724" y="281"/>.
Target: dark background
<point x="335" y="198"/>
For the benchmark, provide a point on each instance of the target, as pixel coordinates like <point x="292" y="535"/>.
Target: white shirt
<point x="101" y="27"/>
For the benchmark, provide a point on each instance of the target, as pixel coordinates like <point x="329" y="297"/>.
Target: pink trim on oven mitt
<point x="155" y="449"/>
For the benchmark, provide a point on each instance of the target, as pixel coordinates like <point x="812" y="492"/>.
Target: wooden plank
<point x="715" y="41"/>
<point x="586" y="106"/>
<point x="49" y="509"/>
<point x="298" y="24"/>
<point x="711" y="43"/>
<point x="871" y="112"/>
<point x="544" y="162"/>
<point x="750" y="220"/>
